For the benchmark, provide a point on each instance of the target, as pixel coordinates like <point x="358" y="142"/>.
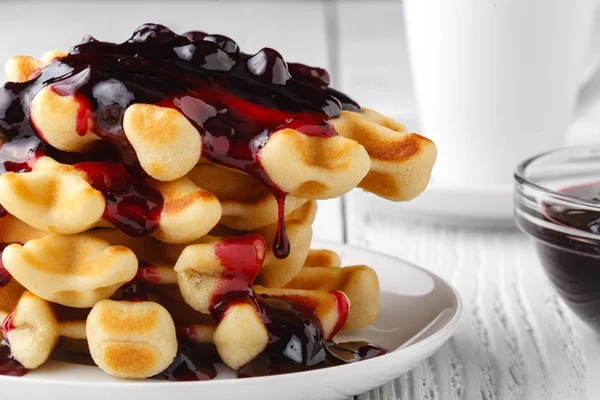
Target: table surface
<point x="517" y="339"/>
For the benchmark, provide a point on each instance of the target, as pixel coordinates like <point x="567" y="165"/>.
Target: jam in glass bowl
<point x="557" y="202"/>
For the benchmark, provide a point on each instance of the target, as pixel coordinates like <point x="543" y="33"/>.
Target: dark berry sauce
<point x="296" y="342"/>
<point x="147" y="273"/>
<point x="572" y="263"/>
<point x="235" y="100"/>
<point x="588" y="220"/>
<point x="131" y="204"/>
<point x="137" y="289"/>
<point x="194" y="362"/>
<point x="8" y="364"/>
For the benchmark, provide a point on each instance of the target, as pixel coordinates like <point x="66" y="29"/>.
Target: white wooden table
<point x="517" y="339"/>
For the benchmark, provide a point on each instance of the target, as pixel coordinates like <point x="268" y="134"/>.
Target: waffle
<point x="72" y="270"/>
<point x="275" y="272"/>
<point x="322" y="258"/>
<point x="13" y="230"/>
<point x="359" y="283"/>
<point x="157" y="200"/>
<point x="401" y="162"/>
<point x="247" y="205"/>
<point x="9" y="297"/>
<point x="22" y="68"/>
<point x="58" y="198"/>
<point x="131" y="340"/>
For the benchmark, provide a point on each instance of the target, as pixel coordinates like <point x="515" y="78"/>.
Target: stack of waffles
<point x="158" y="197"/>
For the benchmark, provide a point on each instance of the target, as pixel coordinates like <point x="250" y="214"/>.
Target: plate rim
<point x="448" y="330"/>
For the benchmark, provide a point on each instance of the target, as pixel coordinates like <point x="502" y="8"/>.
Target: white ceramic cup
<point x="496" y="81"/>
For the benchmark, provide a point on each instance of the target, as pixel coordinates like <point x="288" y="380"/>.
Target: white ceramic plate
<point x="480" y="206"/>
<point x="419" y="313"/>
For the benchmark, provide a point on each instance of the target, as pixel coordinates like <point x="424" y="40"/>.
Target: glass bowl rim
<point x="520" y="178"/>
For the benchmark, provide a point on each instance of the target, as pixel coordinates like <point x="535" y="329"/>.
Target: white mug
<point x="496" y="81"/>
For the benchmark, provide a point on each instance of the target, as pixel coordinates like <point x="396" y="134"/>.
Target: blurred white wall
<point x="294" y="28"/>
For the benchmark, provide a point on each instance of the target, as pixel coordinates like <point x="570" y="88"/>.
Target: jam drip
<point x="8" y="364"/>
<point x="281" y="244"/>
<point x="131" y="204"/>
<point x="137" y="288"/>
<point x="235" y="100"/>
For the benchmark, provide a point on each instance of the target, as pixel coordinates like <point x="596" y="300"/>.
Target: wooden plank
<point x="517" y="340"/>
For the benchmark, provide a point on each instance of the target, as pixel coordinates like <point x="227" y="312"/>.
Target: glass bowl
<point x="557" y="202"/>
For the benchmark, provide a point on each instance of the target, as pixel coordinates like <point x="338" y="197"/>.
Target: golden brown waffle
<point x="131" y="340"/>
<point x="58" y="198"/>
<point x="359" y="283"/>
<point x="22" y="68"/>
<point x="401" y="162"/>
<point x="9" y="297"/>
<point x="13" y="230"/>
<point x="275" y="272"/>
<point x="322" y="258"/>
<point x="246" y="203"/>
<point x="145" y="248"/>
<point x="76" y="270"/>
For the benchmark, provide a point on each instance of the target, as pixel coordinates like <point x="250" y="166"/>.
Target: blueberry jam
<point x="296" y="342"/>
<point x="235" y="100"/>
<point x="193" y="362"/>
<point x="131" y="204"/>
<point x="586" y="221"/>
<point x="572" y="263"/>
<point x="137" y="289"/>
<point x="8" y="364"/>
